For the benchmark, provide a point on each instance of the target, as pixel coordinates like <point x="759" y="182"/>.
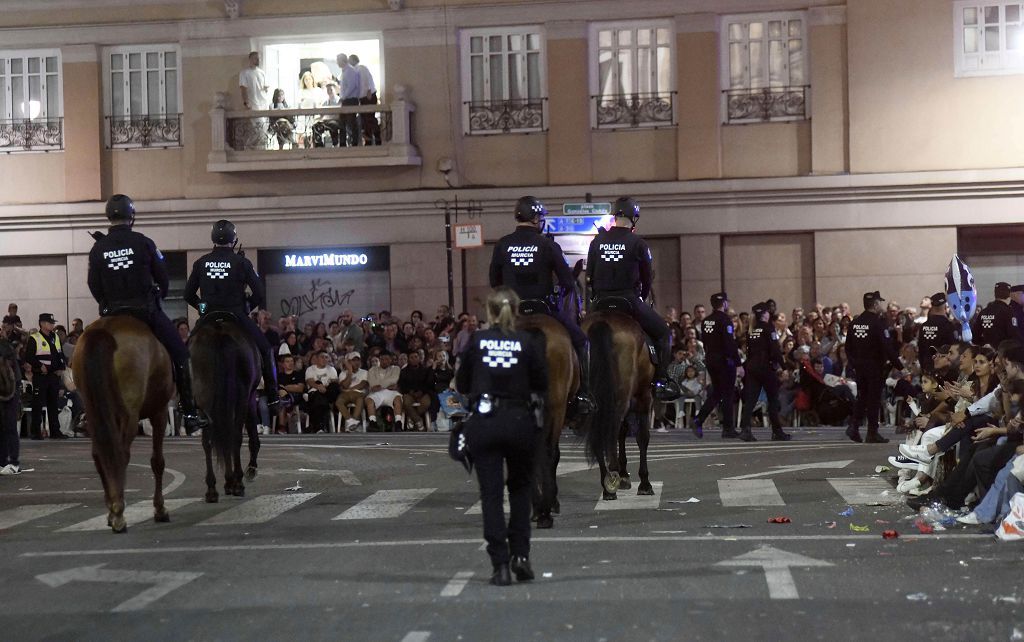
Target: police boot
<point x="746" y="435"/>
<point x="584" y="402"/>
<point x="664" y="388"/>
<point x="501" y="575"/>
<point x="270" y="381"/>
<point x="521" y="567"/>
<point x="853" y="432"/>
<point x="190" y="416"/>
<point x="779" y="435"/>
<point x="874" y="438"/>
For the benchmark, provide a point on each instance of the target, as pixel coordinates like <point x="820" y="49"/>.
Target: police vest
<point x="43" y="347"/>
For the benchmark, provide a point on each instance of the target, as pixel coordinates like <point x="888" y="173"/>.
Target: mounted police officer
<point x="127" y="275"/>
<point x="619" y="264"/>
<point x="869" y="348"/>
<point x="937" y="330"/>
<point x="222" y="276"/>
<point x="761" y="371"/>
<point x="722" y="357"/>
<point x="996" y="322"/>
<point x="524" y="261"/>
<point x="500" y="369"/>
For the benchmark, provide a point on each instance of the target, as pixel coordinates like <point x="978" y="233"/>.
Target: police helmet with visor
<point x="627" y="207"/>
<point x="223" y="233"/>
<point x="120" y="210"/>
<point x="530" y="209"/>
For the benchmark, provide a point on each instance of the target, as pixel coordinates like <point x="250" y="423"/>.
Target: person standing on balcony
<point x="367" y="96"/>
<point x="253" y="84"/>
<point x="349" y="96"/>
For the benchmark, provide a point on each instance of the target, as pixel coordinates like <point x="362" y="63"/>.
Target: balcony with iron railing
<point x="521" y="116"/>
<point x="143" y="132"/>
<point x="768" y="104"/>
<point x="619" y="111"/>
<point x="324" y="137"/>
<point x="31" y="135"/>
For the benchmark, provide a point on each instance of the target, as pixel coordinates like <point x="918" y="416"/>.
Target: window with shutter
<point x="632" y="74"/>
<point x="988" y="38"/>
<point x="31" y="104"/>
<point x="142" y="96"/>
<point x="504" y="88"/>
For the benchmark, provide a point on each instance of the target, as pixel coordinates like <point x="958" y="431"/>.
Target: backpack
<point x="8" y="371"/>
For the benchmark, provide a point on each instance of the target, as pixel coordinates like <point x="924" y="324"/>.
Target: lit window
<point x="142" y="96"/>
<point x="632" y="74"/>
<point x="503" y="80"/>
<point x="989" y="38"/>
<point x="31" y="107"/>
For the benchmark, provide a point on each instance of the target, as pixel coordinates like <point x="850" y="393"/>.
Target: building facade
<point x="803" y="151"/>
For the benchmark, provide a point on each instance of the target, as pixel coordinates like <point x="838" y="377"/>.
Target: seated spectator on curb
<point x="322" y="389"/>
<point x="290" y="386"/>
<point x="353" y="390"/>
<point x="416" y="383"/>
<point x="383" y="390"/>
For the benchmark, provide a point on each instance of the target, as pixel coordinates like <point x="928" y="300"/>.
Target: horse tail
<point x="604" y="388"/>
<point x="225" y="354"/>
<point x="104" y="406"/>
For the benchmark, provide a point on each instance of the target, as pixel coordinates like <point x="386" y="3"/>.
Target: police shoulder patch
<point x="1014" y="321"/>
<point x="159" y="254"/>
<point x="775" y="335"/>
<point x="728" y="329"/>
<point x="650" y="257"/>
<point x="885" y="333"/>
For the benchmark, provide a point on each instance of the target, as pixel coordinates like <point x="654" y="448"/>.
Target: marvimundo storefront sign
<point x="327" y="259"/>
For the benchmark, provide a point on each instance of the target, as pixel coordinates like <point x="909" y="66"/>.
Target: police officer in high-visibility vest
<point x="761" y="372"/>
<point x="937" y="330"/>
<point x="500" y="369"/>
<point x="996" y="322"/>
<point x="619" y="264"/>
<point x="43" y="353"/>
<point x="127" y="275"/>
<point x="524" y="261"/>
<point x="721" y="357"/>
<point x="222" y="277"/>
<point x="869" y="348"/>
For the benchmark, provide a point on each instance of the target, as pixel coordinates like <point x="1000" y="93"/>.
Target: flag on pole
<point x="961" y="294"/>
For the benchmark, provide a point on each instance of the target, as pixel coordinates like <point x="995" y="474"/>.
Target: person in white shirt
<point x="349" y="96"/>
<point x="253" y="84"/>
<point x="353" y="390"/>
<point x="367" y="96"/>
<point x="321" y="390"/>
<point x="383" y="381"/>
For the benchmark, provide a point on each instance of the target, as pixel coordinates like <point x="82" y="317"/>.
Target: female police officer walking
<point x="499" y="370"/>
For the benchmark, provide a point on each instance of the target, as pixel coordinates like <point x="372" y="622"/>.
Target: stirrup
<point x="583" y="404"/>
<point x="666" y="390"/>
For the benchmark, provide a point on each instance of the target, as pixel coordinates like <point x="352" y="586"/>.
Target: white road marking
<point x="416" y="636"/>
<point x="777" y="470"/>
<point x="776" y="565"/>
<point x="749" y="492"/>
<point x="14" y="516"/>
<point x="177" y="477"/>
<point x="259" y="509"/>
<point x="164" y="581"/>
<point x="570" y="467"/>
<point x="629" y="500"/>
<point x="256" y="548"/>
<point x="133" y="514"/>
<point x="864" y="490"/>
<point x="478" y="508"/>
<point x="455" y="585"/>
<point x="386" y="504"/>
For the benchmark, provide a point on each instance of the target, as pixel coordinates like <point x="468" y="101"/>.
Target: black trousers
<point x="164" y="331"/>
<point x="869" y="379"/>
<point x="988" y="463"/>
<point x="962" y="434"/>
<point x="723" y="391"/>
<point x="350" y="123"/>
<point x="507" y="437"/>
<point x="756" y="378"/>
<point x="10" y="443"/>
<point x="370" y="125"/>
<point x="45" y="394"/>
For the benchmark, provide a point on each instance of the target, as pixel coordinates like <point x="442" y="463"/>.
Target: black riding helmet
<point x="223" y="233"/>
<point x="626" y="207"/>
<point x="120" y="210"/>
<point x="529" y="208"/>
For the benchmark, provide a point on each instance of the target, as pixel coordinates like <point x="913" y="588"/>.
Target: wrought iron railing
<point x="127" y="132"/>
<point x="767" y="104"/>
<point x="634" y="110"/>
<point x="27" y="135"/>
<point x="279" y="129"/>
<point x="506" y="116"/>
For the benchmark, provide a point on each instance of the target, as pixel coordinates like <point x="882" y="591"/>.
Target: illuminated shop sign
<point x="324" y="260"/>
<point x="374" y="258"/>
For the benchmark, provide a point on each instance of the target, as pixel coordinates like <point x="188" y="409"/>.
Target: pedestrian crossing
<point x="395" y="504"/>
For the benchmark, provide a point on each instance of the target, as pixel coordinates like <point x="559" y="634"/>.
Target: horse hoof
<point x="609" y="496"/>
<point x="211" y="497"/>
<point x="546" y="521"/>
<point x="161" y="516"/>
<point x="250" y="473"/>
<point x="624" y="483"/>
<point x="118" y="525"/>
<point x="238" y="491"/>
<point x="645" y="489"/>
<point x="611" y="482"/>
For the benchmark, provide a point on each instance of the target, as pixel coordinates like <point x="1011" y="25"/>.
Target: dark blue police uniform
<point x="869" y="348"/>
<point x="721" y="357"/>
<point x="760" y="372"/>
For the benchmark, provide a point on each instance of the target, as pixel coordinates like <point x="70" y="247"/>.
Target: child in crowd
<point x="926" y="404"/>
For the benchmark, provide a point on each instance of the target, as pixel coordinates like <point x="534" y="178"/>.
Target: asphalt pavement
<point x="378" y="537"/>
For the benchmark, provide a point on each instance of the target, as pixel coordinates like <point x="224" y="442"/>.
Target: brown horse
<point x="226" y="369"/>
<point x="563" y="381"/>
<point x="124" y="375"/>
<point x="620" y="372"/>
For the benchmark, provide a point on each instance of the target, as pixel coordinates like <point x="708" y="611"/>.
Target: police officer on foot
<point x="761" y="371"/>
<point x="721" y="356"/>
<point x="1017" y="309"/>
<point x="500" y="369"/>
<point x="619" y="265"/>
<point x="223" y="276"/>
<point x="43" y="353"/>
<point x="937" y="330"/>
<point x="996" y="322"/>
<point x="127" y="272"/>
<point x="869" y="349"/>
<point x="524" y="261"/>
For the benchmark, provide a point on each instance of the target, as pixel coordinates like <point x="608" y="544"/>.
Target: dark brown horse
<point x="124" y="375"/>
<point x="226" y="371"/>
<point x="563" y="381"/>
<point x="620" y="373"/>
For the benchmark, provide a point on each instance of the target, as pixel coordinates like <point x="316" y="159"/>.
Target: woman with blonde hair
<point x="499" y="370"/>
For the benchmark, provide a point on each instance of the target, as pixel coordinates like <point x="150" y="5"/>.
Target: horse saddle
<point x="624" y="305"/>
<point x="534" y="306"/>
<point x="216" y="316"/>
<point x="140" y="312"/>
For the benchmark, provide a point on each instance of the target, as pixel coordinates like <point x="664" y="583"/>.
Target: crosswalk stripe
<point x="477" y="508"/>
<point x="749" y="492"/>
<point x="386" y="504"/>
<point x="864" y="490"/>
<point x="14" y="516"/>
<point x="455" y="585"/>
<point x="133" y="514"/>
<point x="629" y="500"/>
<point x="259" y="509"/>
